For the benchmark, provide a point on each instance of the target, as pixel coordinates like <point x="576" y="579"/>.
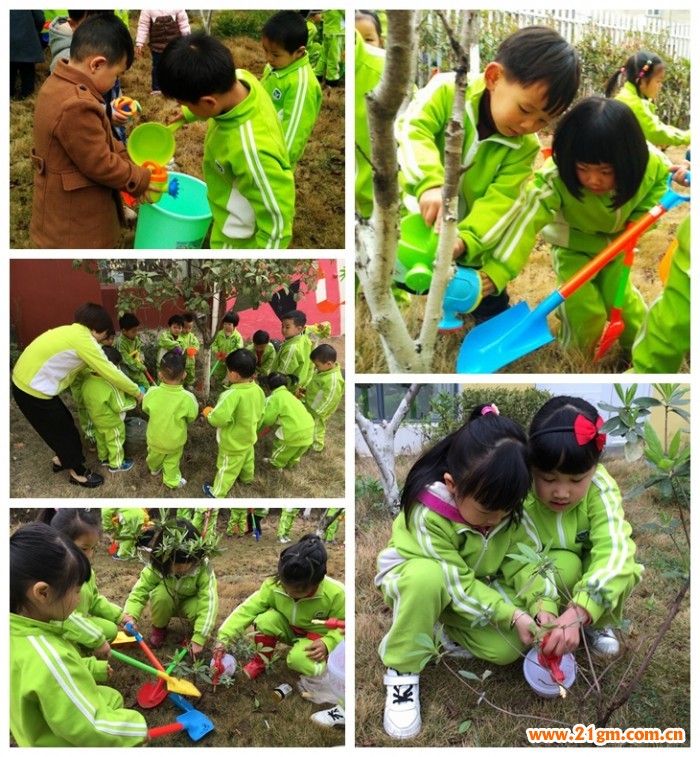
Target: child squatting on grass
<point x="283" y="609"/>
<point x="447" y="560"/>
<point x="576" y="507"/>
<point x="55" y="699"/>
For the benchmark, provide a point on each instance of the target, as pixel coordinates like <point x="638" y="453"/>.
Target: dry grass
<point x="320" y="185"/>
<point x="661" y="700"/>
<point x="244" y="715"/>
<point x="536" y="281"/>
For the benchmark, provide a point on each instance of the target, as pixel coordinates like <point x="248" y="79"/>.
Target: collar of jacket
<point x="437" y="497"/>
<point x="475" y="91"/>
<point x="249" y="106"/>
<point x="72" y="75"/>
<point x="280" y="73"/>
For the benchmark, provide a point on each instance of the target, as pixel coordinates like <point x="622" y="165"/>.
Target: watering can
<point x="416" y="252"/>
<point x="152" y="142"/>
<point x="518" y="331"/>
<point x="194" y="722"/>
<point x="462" y="295"/>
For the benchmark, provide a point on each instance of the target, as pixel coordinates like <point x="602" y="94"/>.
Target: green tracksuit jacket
<point x="169" y="409"/>
<point x="167" y="342"/>
<point x="369" y="65"/>
<point x="79" y="626"/>
<point x="237" y="415"/>
<point x="497" y="167"/>
<point x="132" y="364"/>
<point x="655" y="131"/>
<point x="199" y="584"/>
<point x="264" y="360"/>
<point x="296" y="95"/>
<point x="227" y="344"/>
<point x="50" y="363"/>
<point x="327" y="602"/>
<point x="324" y="392"/>
<point x="293" y="359"/>
<point x="595" y="530"/>
<point x="189" y="340"/>
<point x="664" y="338"/>
<point x="105" y="403"/>
<point x="54" y="697"/>
<point x="295" y="424"/>
<point x="250" y="182"/>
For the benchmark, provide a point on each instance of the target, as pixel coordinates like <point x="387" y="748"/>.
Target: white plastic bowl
<point x="540" y="678"/>
<point x="336" y="670"/>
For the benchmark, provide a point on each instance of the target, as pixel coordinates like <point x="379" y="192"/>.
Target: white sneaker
<point x="283" y="540"/>
<point x="602" y="641"/>
<point x="181" y="483"/>
<point x="156" y="472"/>
<point x="329" y="718"/>
<point x="452" y="648"/>
<point x="402" y="708"/>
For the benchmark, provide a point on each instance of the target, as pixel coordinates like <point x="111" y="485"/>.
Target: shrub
<point x="240" y="23"/>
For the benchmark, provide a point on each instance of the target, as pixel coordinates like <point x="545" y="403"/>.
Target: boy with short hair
<point x="250" y="182"/>
<point x="236" y="417"/>
<point x="106" y="405"/>
<point x="293" y="358"/>
<point x="131" y="349"/>
<point x="170" y="407"/>
<point x="295" y="426"/>
<point x="227" y="339"/>
<point x="289" y="80"/>
<point x="80" y="169"/>
<point x="264" y="352"/>
<point x="323" y="391"/>
<point x="191" y="347"/>
<point x="171" y="339"/>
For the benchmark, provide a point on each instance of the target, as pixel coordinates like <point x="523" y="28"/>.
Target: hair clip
<point x="645" y="69"/>
<point x="490" y="409"/>
<point x="586" y="431"/>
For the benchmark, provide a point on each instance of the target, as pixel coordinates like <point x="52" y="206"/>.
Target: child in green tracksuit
<point x="250" y="182"/>
<point x="324" y="390"/>
<point x="330" y="60"/>
<point x="642" y="77"/>
<point x="448" y="559"/>
<point x="95" y="621"/>
<point x="237" y="522"/>
<point x="295" y="426"/>
<point x="191" y="348"/>
<point x="264" y="352"/>
<point x="294" y="359"/>
<point x="225" y="342"/>
<point x="131" y="349"/>
<point x="314" y="20"/>
<point x="76" y="390"/>
<point x="178" y="582"/>
<point x="171" y="340"/>
<point x="128" y="526"/>
<point x="602" y="177"/>
<point x="287" y="518"/>
<point x="284" y="607"/>
<point x="55" y="699"/>
<point x="289" y="79"/>
<point x="170" y="407"/>
<point x="576" y="508"/>
<point x="332" y="529"/>
<point x="664" y="338"/>
<point x="533" y="78"/>
<point x="107" y="405"/>
<point x="236" y="418"/>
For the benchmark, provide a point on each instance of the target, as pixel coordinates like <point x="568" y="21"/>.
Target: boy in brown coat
<point x="80" y="168"/>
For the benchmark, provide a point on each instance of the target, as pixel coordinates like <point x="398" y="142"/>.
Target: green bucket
<point x="175" y="223"/>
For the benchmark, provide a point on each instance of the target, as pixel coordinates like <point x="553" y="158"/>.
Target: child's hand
<point x="219" y="648"/>
<point x="679" y="174"/>
<point x="192" y="351"/>
<point x="127" y="619"/>
<point x="221" y="356"/>
<point x="102" y="652"/>
<point x="139" y="399"/>
<point x="118" y="118"/>
<point x="110" y="671"/>
<point x="195" y="649"/>
<point x="524" y="623"/>
<point x="430" y="205"/>
<point x="139" y="50"/>
<point x="487" y="286"/>
<point x="459" y="249"/>
<point x="206" y="411"/>
<point x="317" y="650"/>
<point x="566" y="636"/>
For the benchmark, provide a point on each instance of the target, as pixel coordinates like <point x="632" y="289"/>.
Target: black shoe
<point x="56" y="468"/>
<point x="91" y="480"/>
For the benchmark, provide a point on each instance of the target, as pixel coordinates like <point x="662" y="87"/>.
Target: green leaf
<point x="468" y="674"/>
<point x="465" y="726"/>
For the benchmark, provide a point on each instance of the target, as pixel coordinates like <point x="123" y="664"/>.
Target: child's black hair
<point x="231" y="317"/>
<point x="41" y="553"/>
<point x="639" y="66"/>
<point x="74" y="522"/>
<point x="553" y="444"/>
<point x="540" y="54"/>
<point x="488" y="459"/>
<point x="93" y="316"/>
<point x="128" y="321"/>
<point x="297" y="316"/>
<point x="164" y="562"/>
<point x="261" y="337"/>
<point x="103" y="34"/>
<point x="176" y="319"/>
<point x="112" y="353"/>
<point x="597" y="131"/>
<point x="324" y="353"/>
<point x="288" y="29"/>
<point x="303" y="565"/>
<point x="242" y="362"/>
<point x="172" y="366"/>
<point x="275" y="380"/>
<point x="188" y="317"/>
<point x="371" y="16"/>
<point x="195" y="66"/>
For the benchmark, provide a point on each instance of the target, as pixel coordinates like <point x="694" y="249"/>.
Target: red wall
<point x="45" y="294"/>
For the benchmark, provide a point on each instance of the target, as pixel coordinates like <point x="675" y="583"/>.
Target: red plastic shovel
<point x="152" y="693"/>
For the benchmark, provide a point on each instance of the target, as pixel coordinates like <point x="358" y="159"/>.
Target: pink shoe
<point x="157" y="637"/>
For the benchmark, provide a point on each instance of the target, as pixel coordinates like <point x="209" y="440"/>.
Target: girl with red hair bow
<point x="576" y="507"/>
